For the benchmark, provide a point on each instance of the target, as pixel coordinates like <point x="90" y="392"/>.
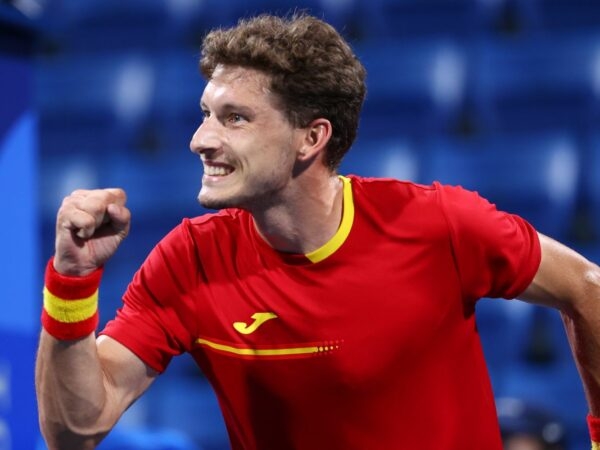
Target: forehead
<point x="233" y="81"/>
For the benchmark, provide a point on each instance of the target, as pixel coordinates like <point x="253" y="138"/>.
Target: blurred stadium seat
<point x="392" y="157"/>
<point x="555" y="386"/>
<point x="529" y="358"/>
<point x="413" y="88"/>
<point x="559" y="16"/>
<point x="118" y="92"/>
<point x="535" y="83"/>
<point x="503" y="327"/>
<point x="92" y="103"/>
<point x="418" y="18"/>
<point x="176" y="112"/>
<point x="104" y="25"/>
<point x="147" y="439"/>
<point x="192" y="19"/>
<point x="142" y="438"/>
<point x="521" y="419"/>
<point x="592" y="180"/>
<point x="187" y="402"/>
<point x="161" y="184"/>
<point x="534" y="175"/>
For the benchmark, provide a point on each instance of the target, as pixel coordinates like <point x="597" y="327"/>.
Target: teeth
<point x="216" y="171"/>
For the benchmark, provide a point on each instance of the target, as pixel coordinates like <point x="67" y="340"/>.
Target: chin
<point x="213" y="203"/>
<point x="216" y="201"/>
<point x="235" y="199"/>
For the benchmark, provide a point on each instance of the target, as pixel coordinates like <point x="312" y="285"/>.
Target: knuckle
<point x="117" y="193"/>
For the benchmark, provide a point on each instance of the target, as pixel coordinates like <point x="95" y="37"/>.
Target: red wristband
<point x="594" y="429"/>
<point x="70" y="303"/>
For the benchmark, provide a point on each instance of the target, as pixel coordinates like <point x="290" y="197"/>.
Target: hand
<point x="90" y="226"/>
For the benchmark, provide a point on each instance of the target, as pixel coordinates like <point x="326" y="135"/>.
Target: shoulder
<point x="433" y="206"/>
<point x="393" y="205"/>
<point x="210" y="223"/>
<point x="388" y="184"/>
<point x="203" y="231"/>
<point x="386" y="189"/>
<point x="187" y="247"/>
<point x="402" y="192"/>
<point x="230" y="217"/>
<point x="393" y="186"/>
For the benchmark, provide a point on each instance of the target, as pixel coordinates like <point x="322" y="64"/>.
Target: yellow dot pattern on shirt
<point x="330" y="346"/>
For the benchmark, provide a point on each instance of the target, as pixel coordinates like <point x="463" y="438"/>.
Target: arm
<point x="567" y="281"/>
<point x="84" y="385"/>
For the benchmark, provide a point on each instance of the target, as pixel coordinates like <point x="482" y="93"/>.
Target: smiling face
<point x="247" y="146"/>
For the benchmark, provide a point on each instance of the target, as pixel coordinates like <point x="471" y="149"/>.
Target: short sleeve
<point x="157" y="319"/>
<point x="497" y="254"/>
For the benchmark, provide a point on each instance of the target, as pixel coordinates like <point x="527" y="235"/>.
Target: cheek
<point x="283" y="161"/>
<point x="270" y="150"/>
<point x="276" y="152"/>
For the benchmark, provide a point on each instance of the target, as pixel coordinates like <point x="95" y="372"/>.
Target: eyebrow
<point x="227" y="107"/>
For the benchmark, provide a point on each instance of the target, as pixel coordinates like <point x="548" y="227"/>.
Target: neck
<point x="306" y="219"/>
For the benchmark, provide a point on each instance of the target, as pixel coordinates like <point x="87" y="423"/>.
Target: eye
<point x="205" y="114"/>
<point x="234" y="118"/>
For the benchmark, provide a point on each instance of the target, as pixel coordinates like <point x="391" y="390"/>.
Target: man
<point x="526" y="426"/>
<point x="328" y="312"/>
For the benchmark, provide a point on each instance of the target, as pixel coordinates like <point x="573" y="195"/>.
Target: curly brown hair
<point x="312" y="69"/>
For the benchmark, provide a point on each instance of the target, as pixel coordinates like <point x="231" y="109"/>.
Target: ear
<point x="315" y="138"/>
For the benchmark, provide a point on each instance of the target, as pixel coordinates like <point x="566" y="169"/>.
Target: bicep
<point x="126" y="376"/>
<point x="560" y="281"/>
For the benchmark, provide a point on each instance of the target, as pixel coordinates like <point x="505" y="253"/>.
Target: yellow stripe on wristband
<point x="70" y="311"/>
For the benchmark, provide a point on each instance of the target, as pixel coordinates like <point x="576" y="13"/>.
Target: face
<point x="247" y="146"/>
<point x="522" y="442"/>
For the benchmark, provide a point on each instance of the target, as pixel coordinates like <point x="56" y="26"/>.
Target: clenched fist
<point x="90" y="226"/>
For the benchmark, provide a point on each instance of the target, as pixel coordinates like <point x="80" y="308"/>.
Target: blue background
<point x="20" y="283"/>
<point x="500" y="96"/>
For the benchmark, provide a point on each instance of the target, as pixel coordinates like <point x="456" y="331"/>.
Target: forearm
<point x="74" y="407"/>
<point x="582" y="324"/>
<point x="570" y="283"/>
<point x="83" y="385"/>
<point x="72" y="393"/>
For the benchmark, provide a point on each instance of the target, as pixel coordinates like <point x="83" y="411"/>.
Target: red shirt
<point x="368" y="343"/>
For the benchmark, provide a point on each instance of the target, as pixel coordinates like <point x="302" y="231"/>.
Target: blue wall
<point x="470" y="92"/>
<point x="20" y="286"/>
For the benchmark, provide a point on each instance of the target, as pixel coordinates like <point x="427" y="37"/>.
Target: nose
<point x="205" y="138"/>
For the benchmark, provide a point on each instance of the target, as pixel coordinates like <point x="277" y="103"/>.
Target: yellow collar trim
<point x="343" y="231"/>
